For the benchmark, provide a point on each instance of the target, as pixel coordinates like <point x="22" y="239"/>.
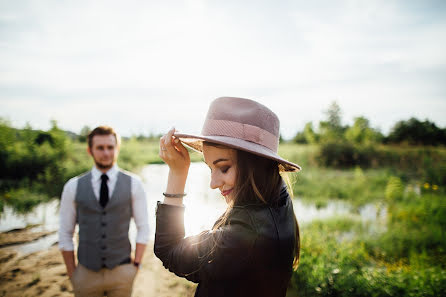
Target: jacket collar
<point x="283" y="198"/>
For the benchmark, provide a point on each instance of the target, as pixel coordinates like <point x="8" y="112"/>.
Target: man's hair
<point x="103" y="130"/>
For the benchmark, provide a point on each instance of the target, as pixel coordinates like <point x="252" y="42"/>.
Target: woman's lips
<point x="226" y="193"/>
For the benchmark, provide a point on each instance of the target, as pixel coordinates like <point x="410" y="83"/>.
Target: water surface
<point x="203" y="207"/>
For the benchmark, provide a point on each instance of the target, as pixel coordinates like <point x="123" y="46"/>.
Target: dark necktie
<point x="103" y="197"/>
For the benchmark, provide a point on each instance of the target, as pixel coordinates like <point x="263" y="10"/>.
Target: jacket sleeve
<point x="217" y="254"/>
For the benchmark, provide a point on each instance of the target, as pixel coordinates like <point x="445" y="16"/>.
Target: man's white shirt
<point x="67" y="215"/>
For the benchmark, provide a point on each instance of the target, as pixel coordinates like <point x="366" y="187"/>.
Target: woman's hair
<point x="259" y="180"/>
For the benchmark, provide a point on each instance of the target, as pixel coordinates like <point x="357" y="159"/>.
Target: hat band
<point x="240" y="131"/>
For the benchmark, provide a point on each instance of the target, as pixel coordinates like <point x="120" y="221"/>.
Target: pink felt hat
<point x="241" y="124"/>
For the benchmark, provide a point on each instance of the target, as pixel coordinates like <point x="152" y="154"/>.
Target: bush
<point x="394" y="189"/>
<point x="23" y="200"/>
<point x="343" y="154"/>
<point x="427" y="163"/>
<point x="35" y="165"/>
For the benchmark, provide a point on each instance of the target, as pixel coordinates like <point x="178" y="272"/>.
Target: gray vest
<point x="103" y="232"/>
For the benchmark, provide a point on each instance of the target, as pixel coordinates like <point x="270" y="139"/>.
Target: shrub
<point x="23" y="200"/>
<point x="394" y="189"/>
<point x="343" y="154"/>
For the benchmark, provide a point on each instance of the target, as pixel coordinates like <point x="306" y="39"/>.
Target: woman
<point x="254" y="245"/>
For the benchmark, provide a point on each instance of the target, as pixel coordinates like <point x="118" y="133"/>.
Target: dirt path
<point x="43" y="274"/>
<point x="155" y="280"/>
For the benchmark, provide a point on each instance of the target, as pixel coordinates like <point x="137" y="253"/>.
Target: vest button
<point x="103" y="247"/>
<point x="104" y="224"/>
<point x="103" y="258"/>
<point x="103" y="235"/>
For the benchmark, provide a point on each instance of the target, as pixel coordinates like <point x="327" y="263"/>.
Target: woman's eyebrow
<point x="219" y="160"/>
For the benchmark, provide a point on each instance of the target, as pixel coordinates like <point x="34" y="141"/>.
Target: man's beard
<point x="102" y="166"/>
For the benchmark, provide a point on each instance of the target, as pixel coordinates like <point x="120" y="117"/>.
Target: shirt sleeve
<point x="67" y="215"/>
<point x="205" y="256"/>
<point x="139" y="208"/>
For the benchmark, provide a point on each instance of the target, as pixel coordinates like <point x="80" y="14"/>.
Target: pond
<point x="203" y="207"/>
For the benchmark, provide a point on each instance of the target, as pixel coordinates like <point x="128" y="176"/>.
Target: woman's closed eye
<point x="225" y="169"/>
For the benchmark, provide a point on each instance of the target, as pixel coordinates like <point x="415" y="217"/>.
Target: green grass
<point x="354" y="185"/>
<point x="408" y="259"/>
<point x="303" y="155"/>
<point x="415" y="226"/>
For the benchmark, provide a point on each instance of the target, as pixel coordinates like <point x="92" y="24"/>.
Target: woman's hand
<point x="177" y="158"/>
<point x="173" y="153"/>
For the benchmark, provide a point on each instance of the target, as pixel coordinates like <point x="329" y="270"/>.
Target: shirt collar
<point x="111" y="173"/>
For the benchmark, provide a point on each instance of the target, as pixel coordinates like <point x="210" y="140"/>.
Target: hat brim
<point x="195" y="142"/>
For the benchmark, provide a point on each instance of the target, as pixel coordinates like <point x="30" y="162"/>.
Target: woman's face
<point x="223" y="165"/>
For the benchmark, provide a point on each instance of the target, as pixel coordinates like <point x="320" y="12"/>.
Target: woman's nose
<point x="215" y="182"/>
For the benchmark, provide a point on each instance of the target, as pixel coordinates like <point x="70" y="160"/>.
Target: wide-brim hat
<point x="241" y="124"/>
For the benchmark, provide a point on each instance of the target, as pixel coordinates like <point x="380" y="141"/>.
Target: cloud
<point x="381" y="59"/>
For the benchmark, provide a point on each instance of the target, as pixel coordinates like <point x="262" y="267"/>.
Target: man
<point x="102" y="202"/>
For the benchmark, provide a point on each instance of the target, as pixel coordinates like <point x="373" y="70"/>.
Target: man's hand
<point x="139" y="252"/>
<point x="68" y="257"/>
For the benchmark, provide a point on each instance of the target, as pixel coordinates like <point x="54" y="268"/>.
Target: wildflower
<point x="426" y="186"/>
<point x="434" y="187"/>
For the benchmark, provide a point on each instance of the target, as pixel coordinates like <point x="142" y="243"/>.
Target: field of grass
<point x="346" y="257"/>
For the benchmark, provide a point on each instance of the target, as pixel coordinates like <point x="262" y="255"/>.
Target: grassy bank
<point x="345" y="257"/>
<point x="418" y="169"/>
<point x="406" y="256"/>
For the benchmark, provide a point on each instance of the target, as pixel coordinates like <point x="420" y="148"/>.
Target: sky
<point x="145" y="66"/>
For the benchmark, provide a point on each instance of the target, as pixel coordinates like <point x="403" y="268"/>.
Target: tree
<point x="362" y="133"/>
<point x="308" y="135"/>
<point x="331" y="128"/>
<point x="300" y="138"/>
<point x="416" y="132"/>
<point x="84" y="133"/>
<point x="334" y="116"/>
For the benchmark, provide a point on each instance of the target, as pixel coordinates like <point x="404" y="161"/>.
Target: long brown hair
<point x="259" y="180"/>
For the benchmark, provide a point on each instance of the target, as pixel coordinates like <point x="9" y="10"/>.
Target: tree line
<point x="410" y="132"/>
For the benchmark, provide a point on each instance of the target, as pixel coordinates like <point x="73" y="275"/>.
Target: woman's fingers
<point x="168" y="139"/>
<point x="180" y="147"/>
<point x="168" y="146"/>
<point x="162" y="148"/>
<point x="173" y="153"/>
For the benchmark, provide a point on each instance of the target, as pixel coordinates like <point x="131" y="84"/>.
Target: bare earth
<point x="43" y="274"/>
